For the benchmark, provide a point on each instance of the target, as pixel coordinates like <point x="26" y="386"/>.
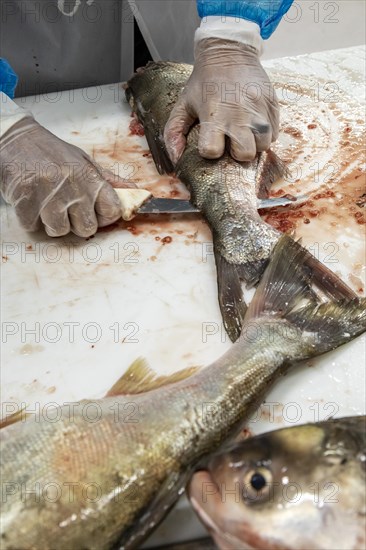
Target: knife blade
<point x="180" y="206"/>
<point x="167" y="206"/>
<point x="141" y="201"/>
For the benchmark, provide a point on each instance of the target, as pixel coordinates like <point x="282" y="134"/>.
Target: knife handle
<point x="131" y="199"/>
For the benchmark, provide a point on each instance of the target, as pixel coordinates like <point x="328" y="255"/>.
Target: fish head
<point x="295" y="488"/>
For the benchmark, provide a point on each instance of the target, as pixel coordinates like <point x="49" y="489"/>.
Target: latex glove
<point x="51" y="182"/>
<point x="230" y="93"/>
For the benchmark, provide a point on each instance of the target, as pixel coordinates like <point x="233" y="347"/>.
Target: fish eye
<point x="256" y="484"/>
<point x="258" y="481"/>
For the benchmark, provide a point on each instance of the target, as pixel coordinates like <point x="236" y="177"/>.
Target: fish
<point x="102" y="474"/>
<point x="297" y="488"/>
<point x="224" y="190"/>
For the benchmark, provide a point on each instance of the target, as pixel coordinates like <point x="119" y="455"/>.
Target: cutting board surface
<point x="77" y="312"/>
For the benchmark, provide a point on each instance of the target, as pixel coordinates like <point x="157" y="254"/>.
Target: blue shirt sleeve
<point x="267" y="14"/>
<point x="8" y="78"/>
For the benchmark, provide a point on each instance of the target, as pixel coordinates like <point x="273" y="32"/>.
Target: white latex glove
<point x="51" y="182"/>
<point x="230" y="94"/>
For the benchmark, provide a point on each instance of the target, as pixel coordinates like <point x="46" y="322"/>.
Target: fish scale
<point x="227" y="196"/>
<point x="226" y="191"/>
<point x="129" y="466"/>
<point x="141" y="463"/>
<point x="323" y="462"/>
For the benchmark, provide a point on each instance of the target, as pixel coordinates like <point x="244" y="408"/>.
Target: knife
<point x="141" y="201"/>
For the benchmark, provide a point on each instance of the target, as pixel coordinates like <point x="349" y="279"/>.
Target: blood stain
<point x="136" y="128"/>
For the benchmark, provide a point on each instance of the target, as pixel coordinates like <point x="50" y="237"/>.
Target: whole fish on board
<point x="102" y="474"/>
<point x="298" y="488"/>
<point x="225" y="191"/>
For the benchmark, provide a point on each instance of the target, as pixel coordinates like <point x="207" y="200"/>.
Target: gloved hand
<point x="231" y="95"/>
<point x="54" y="183"/>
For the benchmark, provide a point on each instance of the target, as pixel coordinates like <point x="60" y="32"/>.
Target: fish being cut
<point x="226" y="192"/>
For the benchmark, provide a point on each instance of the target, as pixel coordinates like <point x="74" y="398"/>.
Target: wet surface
<point x="321" y="142"/>
<point x="158" y="299"/>
<point x="130" y="159"/>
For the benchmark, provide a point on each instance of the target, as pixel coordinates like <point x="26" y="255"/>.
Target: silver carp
<point x="103" y="480"/>
<point x="297" y="488"/>
<point x="224" y="190"/>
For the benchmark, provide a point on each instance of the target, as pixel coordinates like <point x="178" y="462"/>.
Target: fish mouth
<point x="195" y="493"/>
<point x="224" y="540"/>
<point x="229" y="533"/>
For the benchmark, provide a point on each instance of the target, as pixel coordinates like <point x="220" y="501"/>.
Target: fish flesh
<point x="225" y="191"/>
<point x="297" y="488"/>
<point x="102" y="474"/>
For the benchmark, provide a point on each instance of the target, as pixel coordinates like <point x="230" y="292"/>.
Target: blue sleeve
<point x="8" y="78"/>
<point x="267" y="14"/>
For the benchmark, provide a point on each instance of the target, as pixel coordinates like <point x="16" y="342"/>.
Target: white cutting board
<point x="76" y="312"/>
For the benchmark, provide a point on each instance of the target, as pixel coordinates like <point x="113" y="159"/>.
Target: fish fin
<point x="231" y="299"/>
<point x="285" y="281"/>
<point x="155" y="511"/>
<point x="285" y="291"/>
<point x="157" y="147"/>
<point x="140" y="378"/>
<point x="326" y="280"/>
<point x="250" y="272"/>
<point x="331" y="324"/>
<point x="271" y="169"/>
<point x="18" y="416"/>
<point x="152" y="131"/>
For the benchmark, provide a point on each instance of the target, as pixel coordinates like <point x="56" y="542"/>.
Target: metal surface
<point x="179" y="206"/>
<point x="167" y="206"/>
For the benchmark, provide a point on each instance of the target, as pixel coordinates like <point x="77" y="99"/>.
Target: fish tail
<point x="230" y="276"/>
<point x="230" y="295"/>
<point x="327" y="281"/>
<point x="270" y="169"/>
<point x="285" y="292"/>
